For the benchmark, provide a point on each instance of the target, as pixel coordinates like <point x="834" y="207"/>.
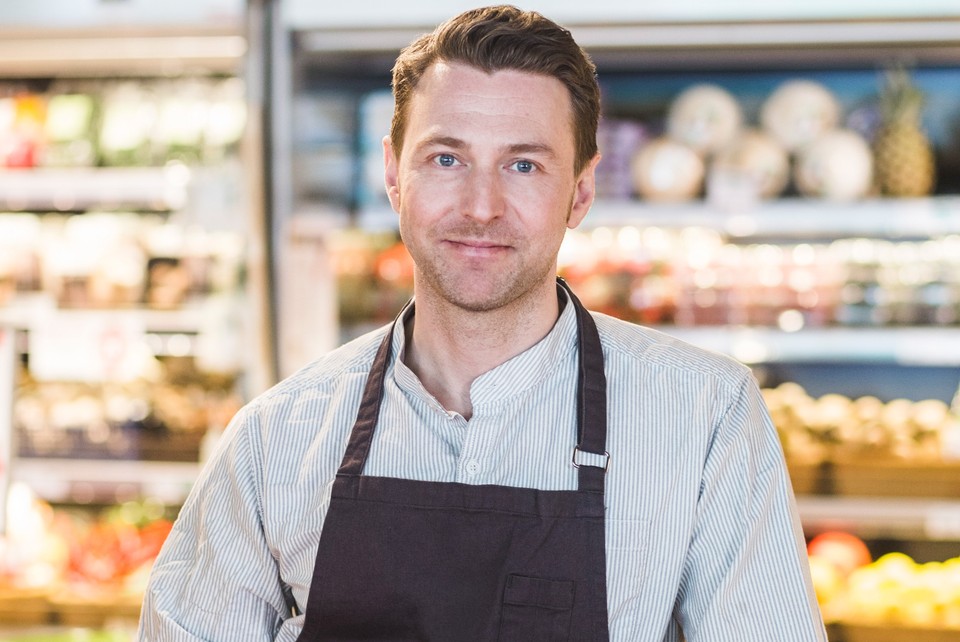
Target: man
<point x="499" y="463"/>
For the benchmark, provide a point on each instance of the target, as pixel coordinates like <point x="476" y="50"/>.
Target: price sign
<point x="8" y="357"/>
<point x="87" y="346"/>
<point x="942" y="521"/>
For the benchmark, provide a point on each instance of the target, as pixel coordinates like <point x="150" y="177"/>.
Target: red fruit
<point x="845" y="551"/>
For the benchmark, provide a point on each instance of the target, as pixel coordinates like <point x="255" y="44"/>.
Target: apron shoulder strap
<point x="591" y="398"/>
<point x="361" y="437"/>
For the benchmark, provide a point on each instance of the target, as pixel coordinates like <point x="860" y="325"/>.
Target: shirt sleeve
<point x="746" y="577"/>
<point x="215" y="578"/>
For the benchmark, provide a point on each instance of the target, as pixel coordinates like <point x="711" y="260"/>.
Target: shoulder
<point x="325" y="374"/>
<point x="308" y="412"/>
<point x="631" y="344"/>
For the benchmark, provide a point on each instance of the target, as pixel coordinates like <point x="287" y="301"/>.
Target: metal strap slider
<point x="591" y="459"/>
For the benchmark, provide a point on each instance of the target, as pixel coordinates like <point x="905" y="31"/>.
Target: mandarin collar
<point x="506" y="381"/>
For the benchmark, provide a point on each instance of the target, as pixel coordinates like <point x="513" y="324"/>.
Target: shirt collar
<point x="511" y="378"/>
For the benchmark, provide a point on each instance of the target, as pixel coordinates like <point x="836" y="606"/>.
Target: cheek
<point x="427" y="189"/>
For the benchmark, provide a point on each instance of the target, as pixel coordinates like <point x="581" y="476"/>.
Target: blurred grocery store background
<point x="191" y="207"/>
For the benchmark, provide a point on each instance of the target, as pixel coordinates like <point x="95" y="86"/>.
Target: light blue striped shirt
<point x="702" y="532"/>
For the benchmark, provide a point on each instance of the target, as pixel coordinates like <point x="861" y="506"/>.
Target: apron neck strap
<point x="591" y="397"/>
<point x="358" y="447"/>
<point x="591" y="400"/>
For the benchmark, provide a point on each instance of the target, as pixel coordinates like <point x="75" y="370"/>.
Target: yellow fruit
<point x="904" y="162"/>
<point x="827" y="580"/>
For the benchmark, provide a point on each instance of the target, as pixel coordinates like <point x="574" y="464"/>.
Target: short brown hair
<point x="504" y="37"/>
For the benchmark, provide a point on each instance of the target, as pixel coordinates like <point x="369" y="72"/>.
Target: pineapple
<point x="903" y="156"/>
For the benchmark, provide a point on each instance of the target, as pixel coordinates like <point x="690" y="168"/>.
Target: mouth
<point x="477" y="247"/>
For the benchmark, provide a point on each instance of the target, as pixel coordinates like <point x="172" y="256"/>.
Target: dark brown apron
<point x="402" y="559"/>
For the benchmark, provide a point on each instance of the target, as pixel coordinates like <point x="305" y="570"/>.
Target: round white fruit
<point x="704" y="117"/>
<point x="798" y="112"/>
<point x="836" y="166"/>
<point x="756" y="159"/>
<point x="667" y="170"/>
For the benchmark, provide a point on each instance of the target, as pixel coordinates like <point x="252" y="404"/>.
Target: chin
<point x="485" y="292"/>
<point x="491" y="300"/>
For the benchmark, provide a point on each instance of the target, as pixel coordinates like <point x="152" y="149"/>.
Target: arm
<point x="746" y="576"/>
<point x="215" y="578"/>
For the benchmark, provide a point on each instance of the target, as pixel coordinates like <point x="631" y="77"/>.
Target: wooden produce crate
<point x="94" y="611"/>
<point x="24" y="607"/>
<point x="876" y="478"/>
<point x="868" y="633"/>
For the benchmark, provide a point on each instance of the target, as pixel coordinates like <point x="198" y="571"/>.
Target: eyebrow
<point x="532" y="148"/>
<point x="517" y="148"/>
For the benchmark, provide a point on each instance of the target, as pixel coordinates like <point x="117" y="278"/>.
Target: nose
<point x="482" y="196"/>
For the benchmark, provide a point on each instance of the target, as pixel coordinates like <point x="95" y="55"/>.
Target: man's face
<point x="485" y="183"/>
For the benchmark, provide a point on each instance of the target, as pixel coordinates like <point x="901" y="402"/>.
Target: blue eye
<point x="524" y="166"/>
<point x="446" y="160"/>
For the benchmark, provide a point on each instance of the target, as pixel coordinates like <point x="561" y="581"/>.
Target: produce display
<point x="834" y="426"/>
<point x="892" y="591"/>
<point x="74" y="567"/>
<point x="144" y="292"/>
<point x="800" y="140"/>
<point x="374" y="277"/>
<point x="115" y="260"/>
<point x="81" y="123"/>
<point x="163" y="416"/>
<point x="652" y="275"/>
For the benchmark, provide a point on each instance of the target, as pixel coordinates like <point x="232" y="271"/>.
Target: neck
<point x="449" y="347"/>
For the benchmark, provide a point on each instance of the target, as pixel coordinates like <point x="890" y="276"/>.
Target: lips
<point x="477" y="247"/>
<point x="478" y="243"/>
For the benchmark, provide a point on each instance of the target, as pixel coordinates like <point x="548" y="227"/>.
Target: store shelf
<point x="136" y="52"/>
<point x="846" y="632"/>
<point x="89" y="481"/>
<point x="793" y="217"/>
<point x="167" y="333"/>
<point x="928" y="346"/>
<point x="787" y="218"/>
<point x="633" y="36"/>
<point x="877" y="476"/>
<point x="76" y="189"/>
<point x="882" y="517"/>
<point x="24" y="310"/>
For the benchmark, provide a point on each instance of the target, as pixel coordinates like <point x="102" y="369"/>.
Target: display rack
<point x="84" y="481"/>
<point x="345" y="61"/>
<point x="903" y="518"/>
<point x="159" y="189"/>
<point x="121" y="51"/>
<point x="339" y="59"/>
<point x="786" y="218"/>
<point x="213" y="194"/>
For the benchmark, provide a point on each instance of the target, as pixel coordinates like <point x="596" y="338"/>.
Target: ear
<point x="584" y="192"/>
<point x="391" y="174"/>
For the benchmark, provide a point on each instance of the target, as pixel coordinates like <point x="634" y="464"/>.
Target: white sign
<point x="8" y="357"/>
<point x="88" y="346"/>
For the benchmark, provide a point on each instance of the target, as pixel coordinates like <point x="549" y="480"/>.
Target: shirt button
<point x="473" y="467"/>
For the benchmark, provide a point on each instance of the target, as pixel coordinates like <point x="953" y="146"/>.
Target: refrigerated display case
<point x="840" y="300"/>
<point x="133" y="285"/>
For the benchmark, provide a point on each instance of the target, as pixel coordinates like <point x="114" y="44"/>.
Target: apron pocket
<point x="536" y="609"/>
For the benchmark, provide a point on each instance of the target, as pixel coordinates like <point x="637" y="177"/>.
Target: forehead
<point x="460" y="75"/>
<point x="456" y="94"/>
